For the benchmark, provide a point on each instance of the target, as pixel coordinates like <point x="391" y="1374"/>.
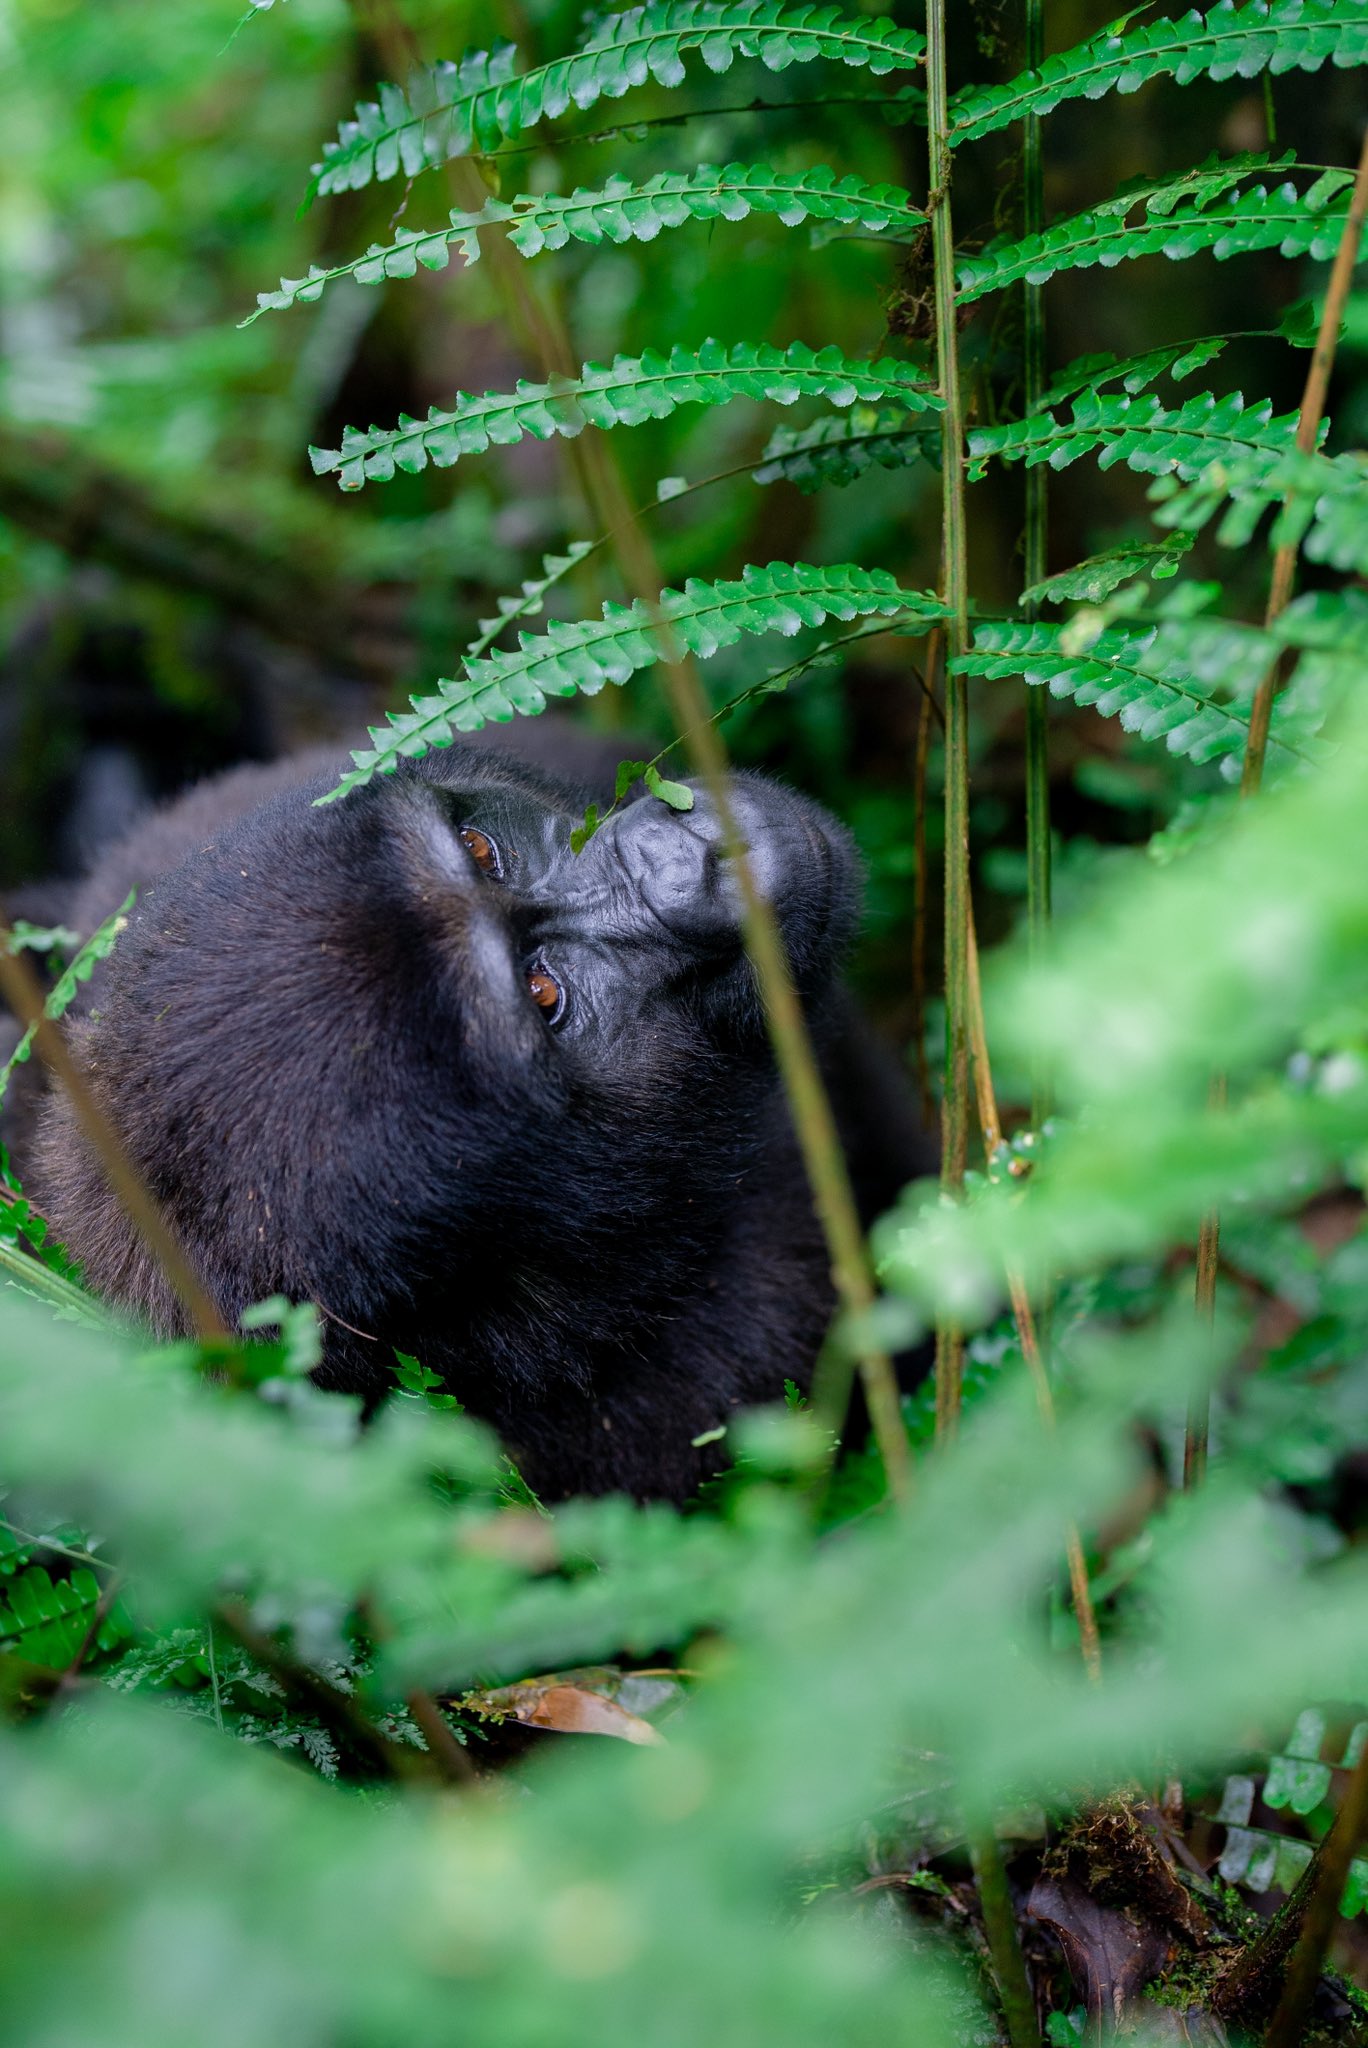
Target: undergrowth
<point x="886" y="1708"/>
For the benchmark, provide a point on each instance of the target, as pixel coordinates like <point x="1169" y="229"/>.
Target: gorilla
<point x="480" y="1098"/>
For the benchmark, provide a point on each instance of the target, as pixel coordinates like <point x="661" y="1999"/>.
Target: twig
<point x="1197" y="1433"/>
<point x="954" y="548"/>
<point x="1308" y="426"/>
<point x="1284" y="1961"/>
<point x="339" y="1714"/>
<point x="1035" y="558"/>
<point x="21" y="990"/>
<point x="928" y="705"/>
<point x="446" y="1752"/>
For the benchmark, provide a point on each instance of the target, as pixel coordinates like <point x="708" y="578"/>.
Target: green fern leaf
<point x="1134" y="373"/>
<point x="1141" y="433"/>
<point x="450" y="109"/>
<point x="97" y="947"/>
<point x="47" y="1621"/>
<point x="630" y="390"/>
<point x="1148" y="677"/>
<point x="838" y="450"/>
<point x="619" y="212"/>
<point x="1323" y="503"/>
<point x="1175" y="223"/>
<point x="780" y="598"/>
<point x="1089" y="582"/>
<point x="1225" y="42"/>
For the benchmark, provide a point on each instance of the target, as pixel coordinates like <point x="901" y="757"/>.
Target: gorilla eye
<point x="482" y="850"/>
<point x="546" y="992"/>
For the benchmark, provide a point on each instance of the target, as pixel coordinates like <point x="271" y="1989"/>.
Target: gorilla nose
<point x="674" y="863"/>
<point x="675" y="860"/>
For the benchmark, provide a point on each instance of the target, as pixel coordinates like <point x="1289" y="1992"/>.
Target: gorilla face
<point x="408" y="1056"/>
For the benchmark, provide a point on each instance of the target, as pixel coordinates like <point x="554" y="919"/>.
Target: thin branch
<point x="1280" y="1968"/>
<point x="921" y="872"/>
<point x="1281" y="582"/>
<point x="1308" y="426"/>
<point x="954" y="549"/>
<point x="20" y="988"/>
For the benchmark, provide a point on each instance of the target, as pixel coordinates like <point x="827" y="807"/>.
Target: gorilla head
<point x="480" y="1098"/>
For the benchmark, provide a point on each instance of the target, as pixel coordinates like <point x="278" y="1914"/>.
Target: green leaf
<point x="44" y="1620"/>
<point x="62" y="994"/>
<point x="451" y="109"/>
<point x="1145" y="676"/>
<point x="1323" y="502"/>
<point x="840" y="450"/>
<point x="630" y="390"/>
<point x="1096" y="578"/>
<point x="703" y="617"/>
<point x="1133" y="373"/>
<point x="677" y="795"/>
<point x="1141" y="433"/>
<point x="1225" y="42"/>
<point x="1179" y="219"/>
<point x="620" y="211"/>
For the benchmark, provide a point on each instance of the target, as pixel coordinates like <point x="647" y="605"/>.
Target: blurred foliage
<point x="194" y="1546"/>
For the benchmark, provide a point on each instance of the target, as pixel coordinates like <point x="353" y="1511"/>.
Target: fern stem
<point x="1027" y="1334"/>
<point x="1281" y="582"/>
<point x="1280" y="1967"/>
<point x="1036" y="550"/>
<point x="928" y="705"/>
<point x="1308" y="425"/>
<point x="1004" y="1945"/>
<point x="1326" y="1874"/>
<point x="954" y="550"/>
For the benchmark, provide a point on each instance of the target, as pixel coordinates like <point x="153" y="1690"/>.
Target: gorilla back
<point x="481" y="1099"/>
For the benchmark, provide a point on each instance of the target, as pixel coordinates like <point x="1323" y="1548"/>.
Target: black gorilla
<point x="484" y="1100"/>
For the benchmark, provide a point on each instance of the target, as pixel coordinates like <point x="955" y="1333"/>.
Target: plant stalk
<point x="1035" y="553"/>
<point x="1278" y="1970"/>
<point x="1280" y="588"/>
<point x="1308" y="426"/>
<point x="1004" y="1945"/>
<point x="20" y="989"/>
<point x="954" y="554"/>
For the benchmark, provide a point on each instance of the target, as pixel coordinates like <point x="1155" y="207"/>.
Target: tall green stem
<point x="1036" y="549"/>
<point x="1004" y="1945"/>
<point x="954" y="549"/>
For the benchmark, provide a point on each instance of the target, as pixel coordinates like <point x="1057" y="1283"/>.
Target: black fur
<point x="317" y="1041"/>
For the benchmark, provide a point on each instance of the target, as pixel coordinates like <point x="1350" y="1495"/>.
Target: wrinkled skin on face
<point x="482" y="1099"/>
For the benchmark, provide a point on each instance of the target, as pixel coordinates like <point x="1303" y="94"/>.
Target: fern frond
<point x="555" y="568"/>
<point x="1141" y="433"/>
<point x="780" y="598"/>
<point x="1089" y="582"/>
<point x="618" y="212"/>
<point x="1225" y="42"/>
<point x="1134" y="373"/>
<point x="1323" y="501"/>
<point x="46" y="1622"/>
<point x="97" y="947"/>
<point x="450" y="109"/>
<point x="1174" y="223"/>
<point x="1145" y="676"/>
<point x="624" y="393"/>
<point x="838" y="450"/>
